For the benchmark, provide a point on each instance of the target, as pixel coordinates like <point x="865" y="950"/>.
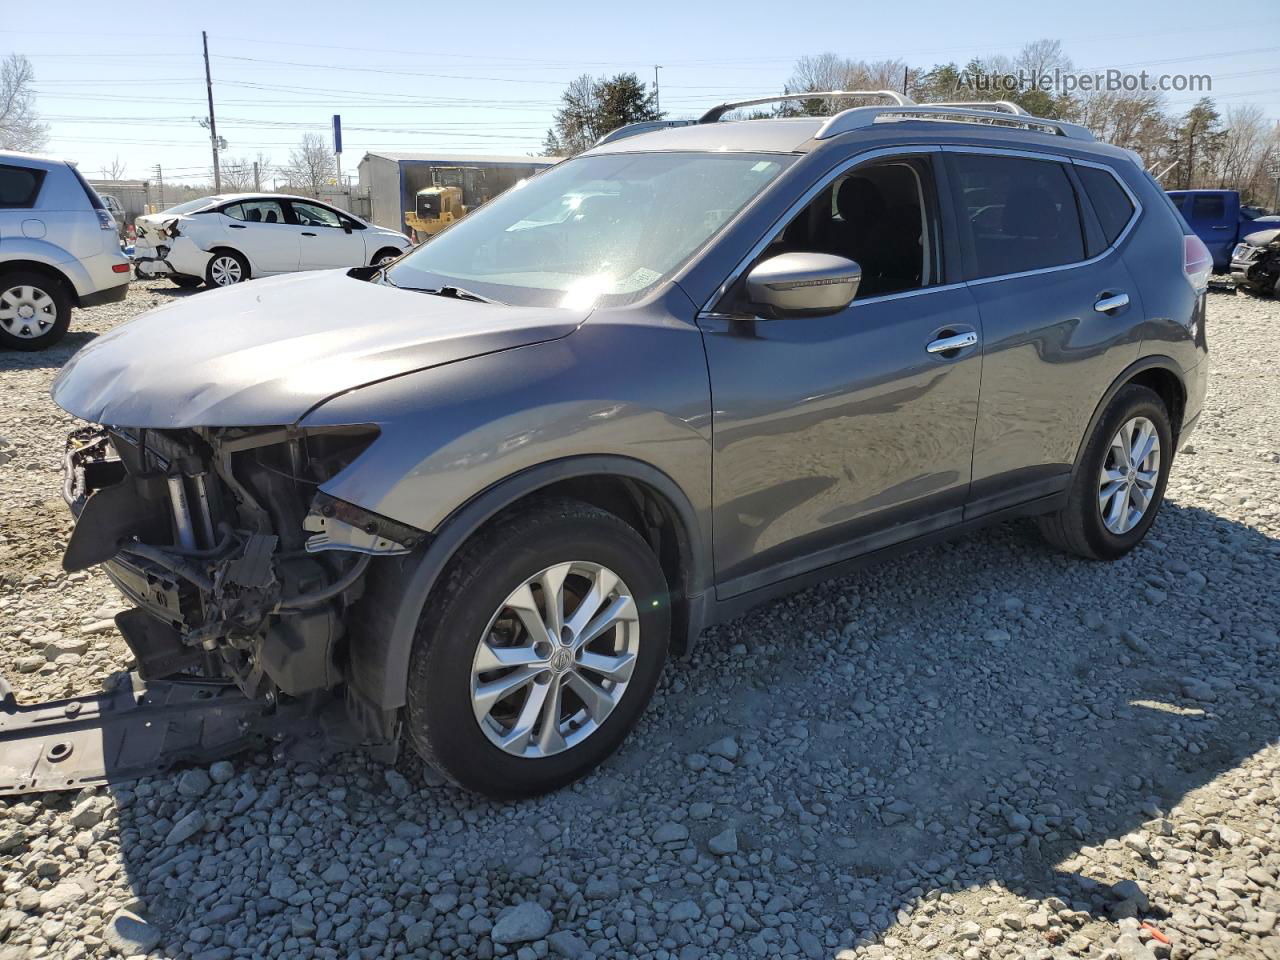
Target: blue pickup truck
<point x="1220" y="220"/>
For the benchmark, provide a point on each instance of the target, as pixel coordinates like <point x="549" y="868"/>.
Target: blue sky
<point x="485" y="78"/>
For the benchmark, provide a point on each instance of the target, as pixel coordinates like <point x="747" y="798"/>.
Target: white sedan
<point x="229" y="239"/>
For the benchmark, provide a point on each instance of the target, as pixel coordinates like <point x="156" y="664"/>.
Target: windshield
<point x="193" y="205"/>
<point x="595" y="230"/>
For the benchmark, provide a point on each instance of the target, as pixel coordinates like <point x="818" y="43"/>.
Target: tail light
<point x="1197" y="262"/>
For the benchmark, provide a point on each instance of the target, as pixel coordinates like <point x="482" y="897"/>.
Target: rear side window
<point x="1021" y="214"/>
<point x="19" y="186"/>
<point x="1208" y="207"/>
<point x="1109" y="200"/>
<point x="256" y="211"/>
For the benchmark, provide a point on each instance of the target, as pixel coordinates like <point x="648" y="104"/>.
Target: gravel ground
<point x="985" y="750"/>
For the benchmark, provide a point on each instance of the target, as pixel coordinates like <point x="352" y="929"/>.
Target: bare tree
<point x="238" y="174"/>
<point x="115" y="170"/>
<point x="311" y="165"/>
<point x="20" y="126"/>
<point x="829" y="71"/>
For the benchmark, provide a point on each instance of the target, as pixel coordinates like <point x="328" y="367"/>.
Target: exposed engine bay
<point x="1255" y="263"/>
<point x="238" y="565"/>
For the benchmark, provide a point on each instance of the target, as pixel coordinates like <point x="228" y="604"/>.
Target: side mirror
<point x="803" y="284"/>
<point x="346" y="226"/>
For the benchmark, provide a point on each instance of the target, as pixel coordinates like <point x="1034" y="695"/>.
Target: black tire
<point x="186" y="283"/>
<point x="209" y="271"/>
<point x="45" y="289"/>
<point x="1079" y="528"/>
<point x="439" y="717"/>
<point x="389" y="252"/>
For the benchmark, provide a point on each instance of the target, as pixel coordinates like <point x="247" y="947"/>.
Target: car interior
<point x="874" y="216"/>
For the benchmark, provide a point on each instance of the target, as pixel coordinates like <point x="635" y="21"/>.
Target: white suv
<point x="58" y="249"/>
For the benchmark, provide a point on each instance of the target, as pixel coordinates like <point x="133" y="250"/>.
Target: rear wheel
<point x="1119" y="486"/>
<point x="538" y="651"/>
<point x="226" y="269"/>
<point x="35" y="310"/>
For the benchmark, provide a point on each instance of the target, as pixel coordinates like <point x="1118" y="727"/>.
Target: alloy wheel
<point x="27" y="311"/>
<point x="1130" y="471"/>
<point x="555" y="659"/>
<point x="225" y="271"/>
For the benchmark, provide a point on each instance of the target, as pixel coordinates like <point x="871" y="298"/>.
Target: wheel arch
<point x="48" y="269"/>
<point x="1159" y="373"/>
<point x="395" y="251"/>
<point x="397" y="588"/>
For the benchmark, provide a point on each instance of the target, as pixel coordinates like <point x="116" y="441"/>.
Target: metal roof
<point x="461" y="160"/>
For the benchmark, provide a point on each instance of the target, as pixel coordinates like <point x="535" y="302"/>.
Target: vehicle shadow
<point x="53" y="357"/>
<point x="914" y="729"/>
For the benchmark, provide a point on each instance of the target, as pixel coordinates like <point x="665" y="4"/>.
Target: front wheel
<point x="538" y="651"/>
<point x="1120" y="482"/>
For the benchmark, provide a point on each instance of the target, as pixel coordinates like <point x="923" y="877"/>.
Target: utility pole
<point x="213" y="126"/>
<point x="257" y="184"/>
<point x="160" y="184"/>
<point x="657" y="100"/>
<point x="905" y="72"/>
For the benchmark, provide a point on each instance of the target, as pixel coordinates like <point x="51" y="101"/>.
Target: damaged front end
<point x="237" y="564"/>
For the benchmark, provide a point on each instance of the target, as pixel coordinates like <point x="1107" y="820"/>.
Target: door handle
<point x="236" y="226"/>
<point x="307" y="233"/>
<point x="1221" y="226"/>
<point x="1113" y="302"/>
<point x="955" y="342"/>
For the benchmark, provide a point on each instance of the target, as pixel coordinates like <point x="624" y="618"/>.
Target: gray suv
<point x="58" y="249"/>
<point x="483" y="491"/>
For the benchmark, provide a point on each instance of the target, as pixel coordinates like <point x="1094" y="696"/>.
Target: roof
<point x="783" y="135"/>
<point x="455" y="160"/>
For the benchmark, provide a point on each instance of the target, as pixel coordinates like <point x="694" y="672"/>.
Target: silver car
<point x="58" y="249"/>
<point x="483" y="491"/>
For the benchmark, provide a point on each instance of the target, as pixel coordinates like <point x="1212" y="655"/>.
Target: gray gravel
<point x="986" y="750"/>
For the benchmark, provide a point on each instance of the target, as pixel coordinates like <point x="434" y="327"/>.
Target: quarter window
<point x="1109" y="200"/>
<point x="311" y="215"/>
<point x="19" y="186"/>
<point x="256" y="211"/>
<point x="1020" y="214"/>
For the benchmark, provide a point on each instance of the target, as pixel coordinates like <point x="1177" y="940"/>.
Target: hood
<point x="265" y="352"/>
<point x="1262" y="237"/>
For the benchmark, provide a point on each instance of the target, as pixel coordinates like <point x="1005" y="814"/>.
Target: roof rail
<point x="1002" y="106"/>
<point x="641" y="126"/>
<point x="715" y="113"/>
<point x="860" y="118"/>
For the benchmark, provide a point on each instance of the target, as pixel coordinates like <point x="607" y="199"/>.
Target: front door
<point x="323" y="242"/>
<point x="836" y="435"/>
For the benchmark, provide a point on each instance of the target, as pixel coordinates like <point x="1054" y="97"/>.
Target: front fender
<point x="633" y="390"/>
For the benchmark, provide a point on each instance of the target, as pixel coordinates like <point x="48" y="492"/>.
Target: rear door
<point x="324" y="241"/>
<point x="1061" y="316"/>
<point x="260" y="230"/>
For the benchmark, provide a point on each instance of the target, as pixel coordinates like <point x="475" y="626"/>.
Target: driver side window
<point x="883" y="216"/>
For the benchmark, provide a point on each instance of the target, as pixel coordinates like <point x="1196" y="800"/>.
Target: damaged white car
<point x="224" y="240"/>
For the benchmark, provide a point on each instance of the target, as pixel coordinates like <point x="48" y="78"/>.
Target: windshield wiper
<point x="459" y="293"/>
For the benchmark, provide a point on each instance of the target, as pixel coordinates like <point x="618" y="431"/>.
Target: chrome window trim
<point x="1055" y="158"/>
<point x="781" y="223"/>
